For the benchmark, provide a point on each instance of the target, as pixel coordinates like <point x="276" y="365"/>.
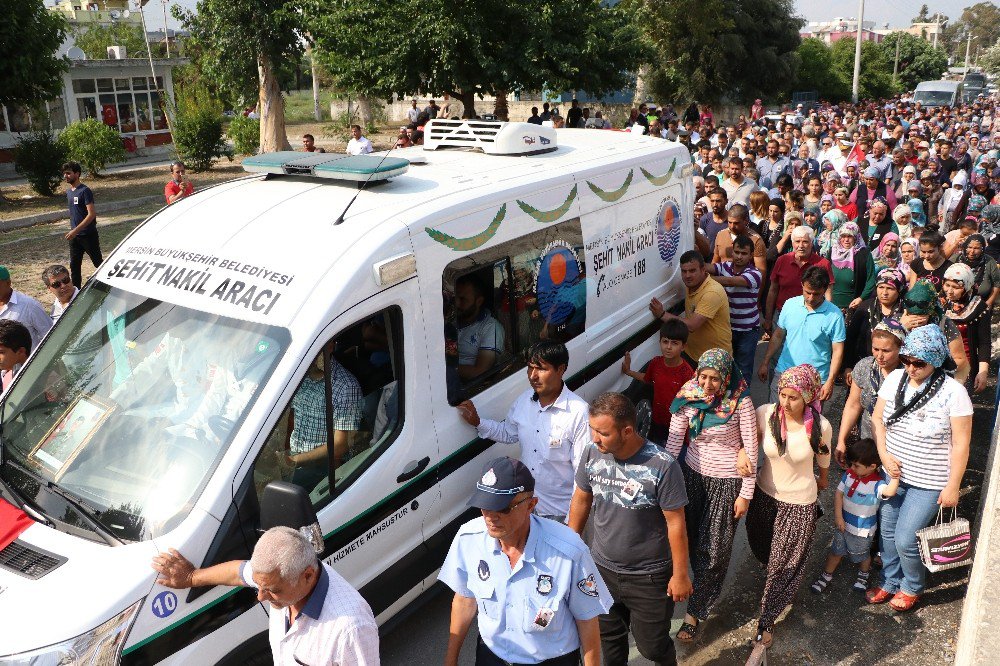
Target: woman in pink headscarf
<point x="757" y="110"/>
<point x="781" y="521"/>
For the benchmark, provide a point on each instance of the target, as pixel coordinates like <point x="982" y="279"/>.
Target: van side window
<point x="500" y="301"/>
<point x="365" y="373"/>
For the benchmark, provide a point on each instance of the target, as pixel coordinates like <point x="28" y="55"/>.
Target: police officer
<point x="532" y="580"/>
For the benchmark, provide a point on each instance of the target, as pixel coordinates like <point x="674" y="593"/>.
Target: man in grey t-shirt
<point x="636" y="491"/>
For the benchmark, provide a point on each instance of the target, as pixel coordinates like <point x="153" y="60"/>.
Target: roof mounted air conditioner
<point x="491" y="137"/>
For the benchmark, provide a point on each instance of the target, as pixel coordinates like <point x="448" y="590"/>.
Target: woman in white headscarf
<point x="950" y="201"/>
<point x="970" y="314"/>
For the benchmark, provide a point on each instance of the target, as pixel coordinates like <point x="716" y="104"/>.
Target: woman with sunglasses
<point x="714" y="413"/>
<point x="781" y="521"/>
<point x="923" y="423"/>
<point x="971" y="315"/>
<point x="921" y="306"/>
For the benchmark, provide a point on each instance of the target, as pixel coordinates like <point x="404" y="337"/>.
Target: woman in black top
<point x="970" y="314"/>
<point x="890" y="286"/>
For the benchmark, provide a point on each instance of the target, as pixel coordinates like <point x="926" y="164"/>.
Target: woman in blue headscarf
<point x="923" y="424"/>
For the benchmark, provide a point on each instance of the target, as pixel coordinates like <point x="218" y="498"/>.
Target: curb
<point x="979" y="631"/>
<point x="61" y="232"/>
<point x="54" y="216"/>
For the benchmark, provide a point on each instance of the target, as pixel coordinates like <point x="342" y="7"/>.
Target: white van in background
<point x="159" y="411"/>
<point x="938" y="93"/>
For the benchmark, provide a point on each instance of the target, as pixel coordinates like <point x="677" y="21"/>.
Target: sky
<point x="897" y="13"/>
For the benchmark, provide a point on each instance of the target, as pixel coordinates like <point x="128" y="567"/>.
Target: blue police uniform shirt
<point x="555" y="583"/>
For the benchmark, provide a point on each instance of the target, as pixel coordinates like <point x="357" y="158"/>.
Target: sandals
<point x="903" y="602"/>
<point x="877" y="595"/>
<point x="690" y="629"/>
<point x="820" y="584"/>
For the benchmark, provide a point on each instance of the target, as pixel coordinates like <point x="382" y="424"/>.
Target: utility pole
<point x="968" y="43"/>
<point x="937" y="29"/>
<point x="166" y="35"/>
<point x="895" y="64"/>
<point x="857" y="53"/>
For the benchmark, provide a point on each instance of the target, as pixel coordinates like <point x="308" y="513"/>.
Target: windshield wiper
<point x="82" y="508"/>
<point x="91" y="513"/>
<point x="25" y="505"/>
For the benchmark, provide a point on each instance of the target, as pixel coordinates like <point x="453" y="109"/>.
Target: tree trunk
<point x="468" y="103"/>
<point x="640" y="84"/>
<point x="500" y="109"/>
<point x="315" y="81"/>
<point x="365" y="111"/>
<point x="271" y="107"/>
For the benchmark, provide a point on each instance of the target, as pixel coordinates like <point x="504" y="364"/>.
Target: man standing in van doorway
<point x="316" y="616"/>
<point x="480" y="336"/>
<point x="531" y="581"/>
<point x="706" y="308"/>
<point x="551" y="424"/>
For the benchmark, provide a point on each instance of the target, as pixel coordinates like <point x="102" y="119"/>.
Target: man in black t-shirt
<point x="82" y="235"/>
<point x="948" y="164"/>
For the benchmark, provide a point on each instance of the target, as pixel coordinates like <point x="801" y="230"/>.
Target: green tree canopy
<point x="982" y="21"/>
<point x="922" y="17"/>
<point x="816" y="71"/>
<point x="96" y="39"/>
<point x="30" y="35"/>
<point x="990" y="59"/>
<point x="241" y="46"/>
<point x="918" y="59"/>
<point x="441" y="46"/>
<point x="707" y="49"/>
<point x="875" y="81"/>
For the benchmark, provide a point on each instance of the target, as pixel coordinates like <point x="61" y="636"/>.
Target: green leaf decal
<point x="545" y="216"/>
<point x="613" y="195"/>
<point x="472" y="242"/>
<point x="660" y="180"/>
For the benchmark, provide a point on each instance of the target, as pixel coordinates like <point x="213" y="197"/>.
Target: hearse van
<point x="187" y="379"/>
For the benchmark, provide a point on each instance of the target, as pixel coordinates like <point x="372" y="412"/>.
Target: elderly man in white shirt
<point x="22" y="308"/>
<point x="359" y="144"/>
<point x="316" y="617"/>
<point x="550" y="422"/>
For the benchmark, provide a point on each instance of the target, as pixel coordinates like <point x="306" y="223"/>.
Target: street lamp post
<point x="967" y="45"/>
<point x="857" y="53"/>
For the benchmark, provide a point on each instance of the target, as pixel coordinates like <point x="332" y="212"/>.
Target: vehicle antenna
<point x="362" y="187"/>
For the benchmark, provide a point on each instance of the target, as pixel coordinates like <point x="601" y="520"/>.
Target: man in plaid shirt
<point x="308" y="438"/>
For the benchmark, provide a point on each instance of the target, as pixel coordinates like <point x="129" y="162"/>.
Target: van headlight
<point x="100" y="646"/>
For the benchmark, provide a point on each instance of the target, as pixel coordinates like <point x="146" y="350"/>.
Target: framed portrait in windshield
<point x="70" y="434"/>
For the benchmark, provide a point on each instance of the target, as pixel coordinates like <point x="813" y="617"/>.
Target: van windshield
<point x="934" y="97"/>
<point x="127" y="408"/>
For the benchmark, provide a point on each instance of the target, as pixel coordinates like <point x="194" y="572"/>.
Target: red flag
<point x="13" y="521"/>
<point x="854" y="156"/>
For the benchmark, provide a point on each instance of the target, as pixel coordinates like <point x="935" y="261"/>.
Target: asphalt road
<point x="836" y="627"/>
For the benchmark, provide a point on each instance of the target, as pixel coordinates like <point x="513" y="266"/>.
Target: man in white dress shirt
<point x="550" y="422"/>
<point x="22" y="308"/>
<point x="359" y="144"/>
<point x="316" y="617"/>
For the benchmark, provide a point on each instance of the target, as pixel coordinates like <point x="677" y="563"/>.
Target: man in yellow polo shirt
<point x="706" y="308"/>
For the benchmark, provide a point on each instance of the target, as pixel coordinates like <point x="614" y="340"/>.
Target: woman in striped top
<point x="923" y="424"/>
<point x="716" y="413"/>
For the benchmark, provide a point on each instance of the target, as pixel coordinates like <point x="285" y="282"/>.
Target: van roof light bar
<point x="330" y="166"/>
<point x="491" y="137"/>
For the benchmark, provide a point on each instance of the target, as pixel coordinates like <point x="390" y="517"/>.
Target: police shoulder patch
<point x="588" y="586"/>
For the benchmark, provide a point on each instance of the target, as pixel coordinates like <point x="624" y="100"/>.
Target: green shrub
<point x="198" y="138"/>
<point x="39" y="157"/>
<point x="93" y="144"/>
<point x="245" y="134"/>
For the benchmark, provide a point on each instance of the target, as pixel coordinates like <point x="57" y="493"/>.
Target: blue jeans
<point x="900" y="517"/>
<point x="744" y="350"/>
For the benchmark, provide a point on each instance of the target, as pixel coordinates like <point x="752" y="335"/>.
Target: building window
<point x="128" y="104"/>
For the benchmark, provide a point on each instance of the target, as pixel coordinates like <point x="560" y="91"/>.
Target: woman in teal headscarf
<point x="921" y="306"/>
<point x="832" y="222"/>
<point x="717" y="415"/>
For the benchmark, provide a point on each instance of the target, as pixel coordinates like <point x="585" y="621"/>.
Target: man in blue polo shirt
<point x="82" y="235"/>
<point x="812" y="330"/>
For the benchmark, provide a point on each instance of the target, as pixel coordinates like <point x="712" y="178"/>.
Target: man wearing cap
<point x="531" y="581"/>
<point x="550" y="423"/>
<point x="636" y="492"/>
<point x="22" y="308"/>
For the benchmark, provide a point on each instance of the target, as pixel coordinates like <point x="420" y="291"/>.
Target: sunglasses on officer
<point x="506" y="512"/>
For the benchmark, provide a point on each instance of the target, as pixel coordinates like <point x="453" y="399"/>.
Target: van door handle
<point x="413" y="468"/>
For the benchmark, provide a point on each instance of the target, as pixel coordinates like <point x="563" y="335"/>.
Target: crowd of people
<point x="860" y="244"/>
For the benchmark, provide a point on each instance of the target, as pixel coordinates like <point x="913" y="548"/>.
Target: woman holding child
<point x="923" y="422"/>
<point x="781" y="521"/>
<point x="718" y="417"/>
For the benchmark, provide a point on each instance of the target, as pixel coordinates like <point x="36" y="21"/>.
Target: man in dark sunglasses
<point x="530" y="580"/>
<point x="60" y="285"/>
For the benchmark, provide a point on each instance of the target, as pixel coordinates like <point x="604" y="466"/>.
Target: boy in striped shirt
<point x="742" y="280"/>
<point x="855" y="513"/>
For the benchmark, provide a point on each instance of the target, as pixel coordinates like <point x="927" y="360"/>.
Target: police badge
<point x="483" y="570"/>
<point x="544" y="585"/>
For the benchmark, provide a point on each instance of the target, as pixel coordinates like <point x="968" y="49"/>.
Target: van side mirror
<point x="284" y="504"/>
